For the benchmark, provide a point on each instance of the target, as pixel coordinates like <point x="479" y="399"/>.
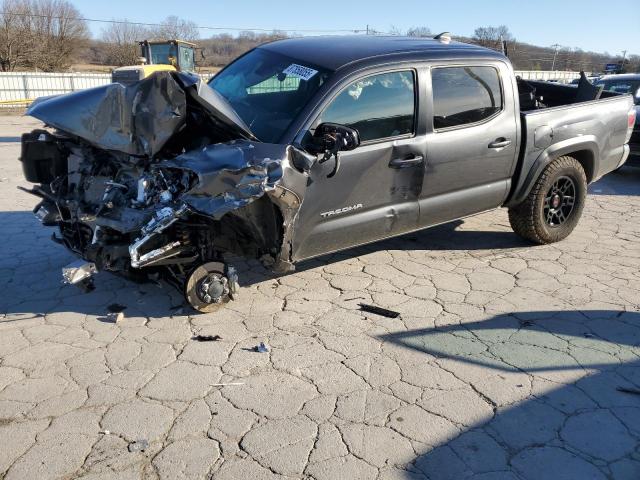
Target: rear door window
<point x="464" y="95"/>
<point x="379" y="106"/>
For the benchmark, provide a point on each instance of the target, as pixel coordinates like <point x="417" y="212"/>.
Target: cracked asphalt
<point x="506" y="362"/>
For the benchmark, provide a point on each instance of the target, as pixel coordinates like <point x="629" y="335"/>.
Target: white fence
<point x="18" y="88"/>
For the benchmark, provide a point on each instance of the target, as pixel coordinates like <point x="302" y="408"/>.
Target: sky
<point x="591" y="25"/>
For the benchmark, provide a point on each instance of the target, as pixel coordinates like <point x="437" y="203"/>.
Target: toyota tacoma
<point x="307" y="146"/>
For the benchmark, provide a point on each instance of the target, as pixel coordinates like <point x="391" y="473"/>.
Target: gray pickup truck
<point x="307" y="146"/>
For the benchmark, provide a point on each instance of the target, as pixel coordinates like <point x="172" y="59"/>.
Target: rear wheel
<point x="553" y="207"/>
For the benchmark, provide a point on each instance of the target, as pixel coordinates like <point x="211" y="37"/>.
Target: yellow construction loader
<point x="167" y="55"/>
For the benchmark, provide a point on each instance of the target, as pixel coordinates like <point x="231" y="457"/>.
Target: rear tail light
<point x="631" y="121"/>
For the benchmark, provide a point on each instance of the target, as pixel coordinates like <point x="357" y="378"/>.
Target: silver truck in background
<point x="307" y="146"/>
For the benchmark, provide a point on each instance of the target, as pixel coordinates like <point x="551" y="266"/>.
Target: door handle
<point x="410" y="161"/>
<point x="500" y="143"/>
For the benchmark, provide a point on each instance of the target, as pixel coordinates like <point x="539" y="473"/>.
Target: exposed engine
<point x="168" y="192"/>
<point x="121" y="213"/>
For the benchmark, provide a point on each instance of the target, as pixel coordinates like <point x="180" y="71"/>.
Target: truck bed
<point x="555" y="121"/>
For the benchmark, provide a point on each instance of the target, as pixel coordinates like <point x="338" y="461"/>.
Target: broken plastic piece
<point x="116" y="308"/>
<point x="378" y="310"/>
<point x="232" y="277"/>
<point x="138" y="446"/>
<point x="206" y="338"/>
<point x="78" y="271"/>
<point x="261" y="348"/>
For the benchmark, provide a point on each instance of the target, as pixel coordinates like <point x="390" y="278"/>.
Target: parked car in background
<point x="627" y="83"/>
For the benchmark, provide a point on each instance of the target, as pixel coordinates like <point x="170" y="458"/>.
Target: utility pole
<point x="624" y="54"/>
<point x="367" y="29"/>
<point x="555" y="54"/>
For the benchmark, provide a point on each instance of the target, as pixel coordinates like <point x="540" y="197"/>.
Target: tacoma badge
<point x="341" y="210"/>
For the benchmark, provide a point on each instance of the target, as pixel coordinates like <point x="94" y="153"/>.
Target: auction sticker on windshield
<point x="299" y="71"/>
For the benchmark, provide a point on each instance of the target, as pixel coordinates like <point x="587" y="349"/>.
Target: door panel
<point x="366" y="200"/>
<point x="468" y="168"/>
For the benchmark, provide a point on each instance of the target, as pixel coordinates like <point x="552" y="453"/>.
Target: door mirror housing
<point x="331" y="138"/>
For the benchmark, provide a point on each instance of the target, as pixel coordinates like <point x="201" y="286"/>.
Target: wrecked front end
<point x="160" y="179"/>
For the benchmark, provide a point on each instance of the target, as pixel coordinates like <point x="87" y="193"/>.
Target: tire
<point x="554" y="206"/>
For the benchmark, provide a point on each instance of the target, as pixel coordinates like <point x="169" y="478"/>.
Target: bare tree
<point x="492" y="37"/>
<point x="221" y="49"/>
<point x="59" y="32"/>
<point x="121" y="42"/>
<point x="16" y="39"/>
<point x="174" y="27"/>
<point x="41" y="34"/>
<point x="419" y="32"/>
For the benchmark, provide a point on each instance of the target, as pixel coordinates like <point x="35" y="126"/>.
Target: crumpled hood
<point x="137" y="119"/>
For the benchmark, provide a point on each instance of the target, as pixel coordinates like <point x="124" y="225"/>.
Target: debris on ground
<point x="226" y="384"/>
<point x="113" y="317"/>
<point x="116" y="308"/>
<point x="633" y="391"/>
<point x="360" y="297"/>
<point x="260" y="348"/>
<point x="105" y="432"/>
<point x="138" y="446"/>
<point x="206" y="338"/>
<point x="378" y="310"/>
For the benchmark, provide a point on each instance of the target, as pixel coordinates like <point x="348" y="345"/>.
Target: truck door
<point x="374" y="193"/>
<point x="472" y="141"/>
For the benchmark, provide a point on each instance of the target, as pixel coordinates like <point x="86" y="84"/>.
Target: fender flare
<point x="584" y="149"/>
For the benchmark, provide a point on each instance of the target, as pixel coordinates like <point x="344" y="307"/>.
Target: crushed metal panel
<point x="137" y="119"/>
<point x="230" y="175"/>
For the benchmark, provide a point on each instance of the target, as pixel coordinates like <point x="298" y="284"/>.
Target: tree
<point x="492" y="37"/>
<point x="16" y="39"/>
<point x="121" y="42"/>
<point x="60" y="34"/>
<point x="419" y="32"/>
<point x="221" y="49"/>
<point x="41" y="34"/>
<point x="174" y="27"/>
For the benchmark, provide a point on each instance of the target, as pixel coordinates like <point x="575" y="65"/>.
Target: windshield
<point x="619" y="85"/>
<point x="163" y="54"/>
<point x="268" y="90"/>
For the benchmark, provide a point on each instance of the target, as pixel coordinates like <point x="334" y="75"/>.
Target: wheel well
<point x="587" y="160"/>
<point x="251" y="231"/>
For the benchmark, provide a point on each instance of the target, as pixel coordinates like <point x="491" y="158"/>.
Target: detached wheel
<point x="553" y="207"/>
<point x="207" y="288"/>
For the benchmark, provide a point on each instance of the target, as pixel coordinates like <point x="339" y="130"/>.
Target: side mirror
<point x="331" y="138"/>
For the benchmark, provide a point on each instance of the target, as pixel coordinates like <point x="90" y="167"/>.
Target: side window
<point x="463" y="95"/>
<point x="379" y="106"/>
<point x="187" y="60"/>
